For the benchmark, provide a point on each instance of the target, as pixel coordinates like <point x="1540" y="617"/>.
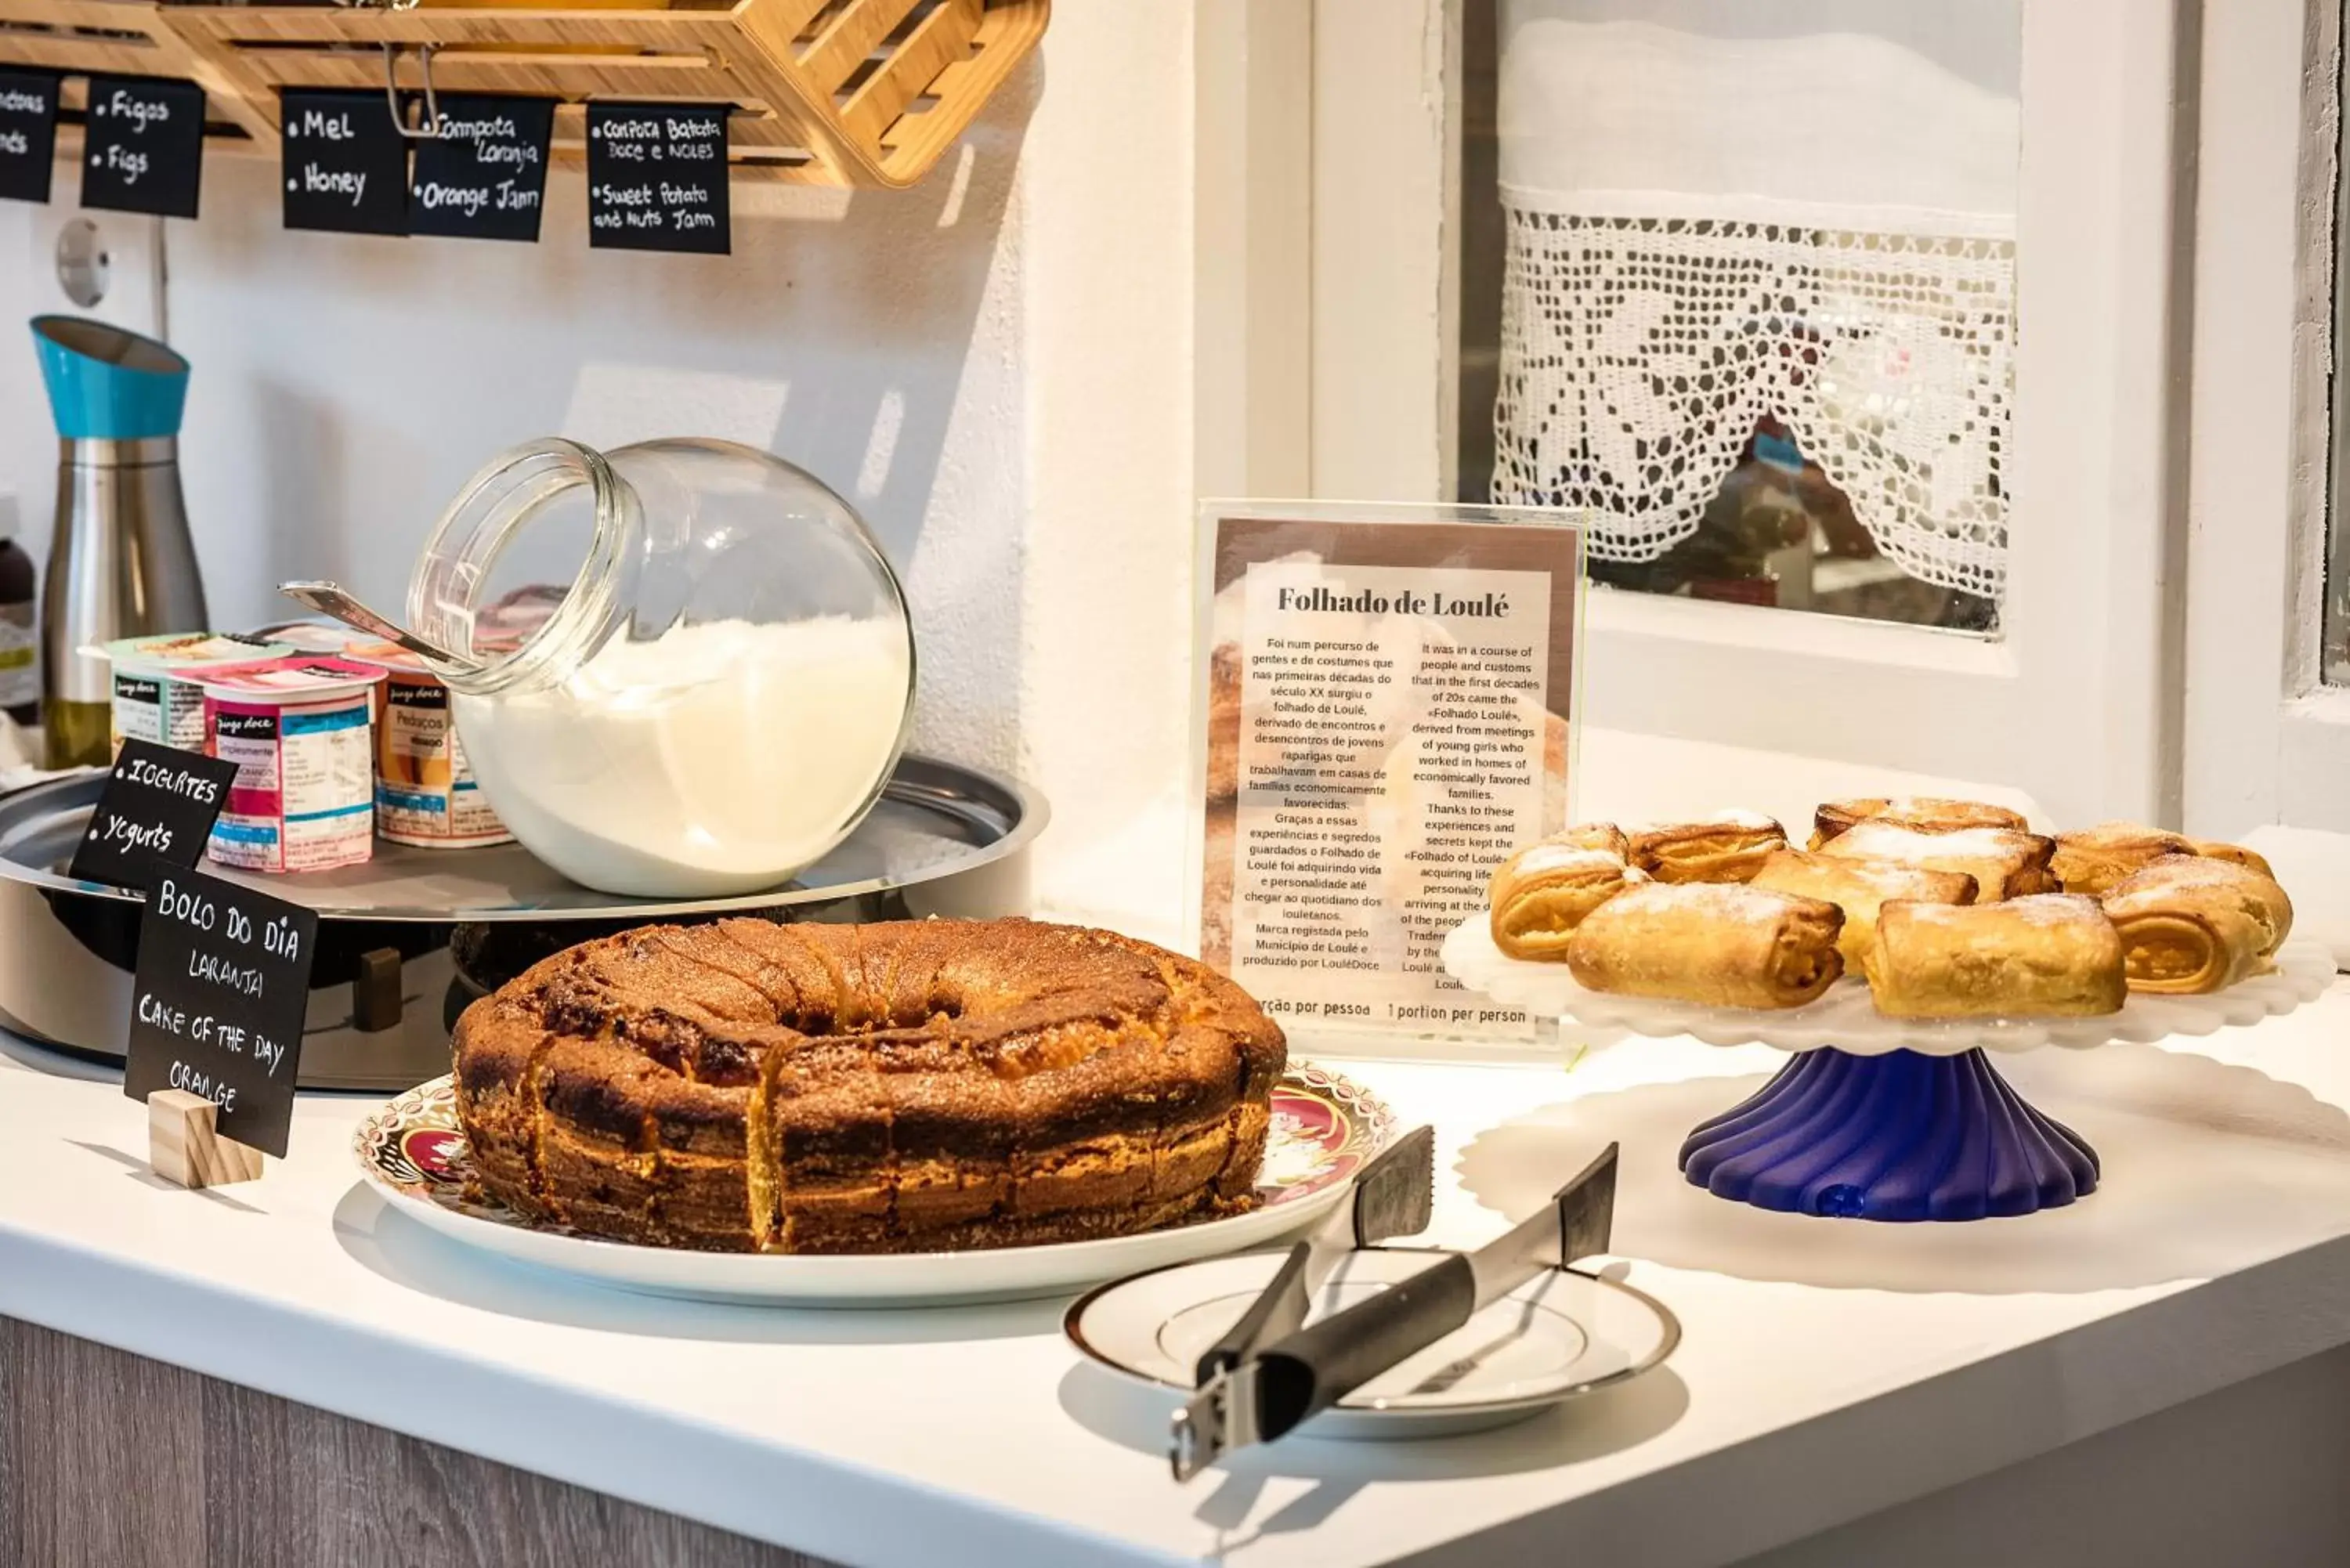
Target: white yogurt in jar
<point x="711" y="761"/>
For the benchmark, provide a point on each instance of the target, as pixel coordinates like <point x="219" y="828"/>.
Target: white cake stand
<point x="1885" y="1119"/>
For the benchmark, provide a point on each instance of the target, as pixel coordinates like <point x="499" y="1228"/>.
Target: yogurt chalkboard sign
<point x="145" y="150"/>
<point x="158" y="805"/>
<point x="28" y="133"/>
<point x="484" y="176"/>
<point x="217" y="1004"/>
<point x="344" y="163"/>
<point x="657" y="178"/>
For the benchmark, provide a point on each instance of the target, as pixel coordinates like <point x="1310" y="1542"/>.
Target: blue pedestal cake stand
<point x="1883" y="1118"/>
<point x="1901" y="1136"/>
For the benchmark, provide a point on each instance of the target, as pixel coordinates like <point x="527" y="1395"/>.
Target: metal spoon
<point x="334" y="600"/>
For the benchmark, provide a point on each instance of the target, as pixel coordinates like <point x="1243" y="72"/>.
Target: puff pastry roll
<point x="2186" y="936"/>
<point x="2095" y="858"/>
<point x="1858" y="887"/>
<point x="1543" y="892"/>
<point x="2050" y="955"/>
<point x="1928" y="814"/>
<point x="1730" y="847"/>
<point x="1727" y="946"/>
<point x="1595" y="835"/>
<point x="2005" y="864"/>
<point x="2235" y="854"/>
<point x="2214" y="882"/>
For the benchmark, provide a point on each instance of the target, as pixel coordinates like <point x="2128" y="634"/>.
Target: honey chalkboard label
<point x="484" y="176"/>
<point x="28" y="133"/>
<point x="344" y="163"/>
<point x="158" y="805"/>
<point x="222" y="983"/>
<point x="657" y="178"/>
<point x="145" y="149"/>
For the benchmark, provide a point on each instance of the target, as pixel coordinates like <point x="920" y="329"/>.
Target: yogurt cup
<point x="158" y="683"/>
<point x="425" y="793"/>
<point x="298" y="730"/>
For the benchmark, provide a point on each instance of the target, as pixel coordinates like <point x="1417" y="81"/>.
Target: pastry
<point x="2210" y="881"/>
<point x="2094" y="859"/>
<point x="2186" y="935"/>
<point x="2045" y="956"/>
<point x="1730" y="847"/>
<point x="2250" y="859"/>
<point x="914" y="1087"/>
<point x="1858" y="887"/>
<point x="1543" y="892"/>
<point x="1595" y="835"/>
<point x="1722" y="945"/>
<point x="1926" y="813"/>
<point x="2005" y="864"/>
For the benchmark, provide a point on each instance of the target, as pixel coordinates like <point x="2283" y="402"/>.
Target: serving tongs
<point x="1266" y="1394"/>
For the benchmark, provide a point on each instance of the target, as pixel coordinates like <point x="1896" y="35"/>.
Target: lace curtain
<point x="1708" y="228"/>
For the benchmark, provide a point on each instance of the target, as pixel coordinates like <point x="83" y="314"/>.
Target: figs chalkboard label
<point x="158" y="805"/>
<point x="217" y="1003"/>
<point x="145" y="150"/>
<point x="28" y="133"/>
<point x="344" y="163"/>
<point x="484" y="176"/>
<point x="657" y="178"/>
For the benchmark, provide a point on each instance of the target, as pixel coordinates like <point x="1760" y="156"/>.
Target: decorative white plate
<point x="1846" y="1020"/>
<point x="1561" y="1334"/>
<point x="1323" y="1127"/>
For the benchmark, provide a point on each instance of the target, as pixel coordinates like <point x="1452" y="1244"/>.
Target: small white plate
<point x="1324" y="1127"/>
<point x="1846" y="1019"/>
<point x="1554" y="1337"/>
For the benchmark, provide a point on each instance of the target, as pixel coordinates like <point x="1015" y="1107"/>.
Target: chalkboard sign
<point x="484" y="176"/>
<point x="145" y="150"/>
<point x="344" y="161"/>
<point x="158" y="805"/>
<point x="657" y="178"/>
<point x="216" y="1006"/>
<point x="28" y="133"/>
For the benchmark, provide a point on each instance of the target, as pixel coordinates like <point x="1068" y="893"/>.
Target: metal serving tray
<point x="943" y="840"/>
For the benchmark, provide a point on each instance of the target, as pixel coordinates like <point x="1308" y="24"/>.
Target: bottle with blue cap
<point x="121" y="561"/>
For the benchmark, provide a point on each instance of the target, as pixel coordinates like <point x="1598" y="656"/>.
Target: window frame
<point x="2074" y="706"/>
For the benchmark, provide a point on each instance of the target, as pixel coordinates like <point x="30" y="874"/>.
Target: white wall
<point x="995" y="367"/>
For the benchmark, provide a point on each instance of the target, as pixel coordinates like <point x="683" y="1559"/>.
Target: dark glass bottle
<point x="20" y="635"/>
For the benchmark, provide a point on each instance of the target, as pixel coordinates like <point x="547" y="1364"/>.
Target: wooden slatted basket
<point x="123" y="37"/>
<point x="831" y="92"/>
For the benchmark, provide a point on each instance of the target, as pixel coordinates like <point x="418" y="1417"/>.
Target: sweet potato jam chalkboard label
<point x="28" y="133"/>
<point x="217" y="1004"/>
<point x="657" y="178"/>
<point x="344" y="163"/>
<point x="483" y="177"/>
<point x="145" y="150"/>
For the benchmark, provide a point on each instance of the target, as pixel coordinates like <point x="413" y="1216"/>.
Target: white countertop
<point x="1829" y="1368"/>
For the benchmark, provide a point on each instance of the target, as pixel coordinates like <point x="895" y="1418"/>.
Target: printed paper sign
<point x="1388" y="714"/>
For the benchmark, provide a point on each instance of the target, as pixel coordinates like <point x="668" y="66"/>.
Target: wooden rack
<point x="829" y="92"/>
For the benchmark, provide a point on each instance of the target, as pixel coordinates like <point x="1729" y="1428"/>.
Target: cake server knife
<point x="1311" y="1370"/>
<point x="1393" y="1196"/>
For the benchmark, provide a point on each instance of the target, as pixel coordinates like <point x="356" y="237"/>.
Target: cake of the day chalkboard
<point x="923" y="1085"/>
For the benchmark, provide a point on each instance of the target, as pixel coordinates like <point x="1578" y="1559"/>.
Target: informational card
<point x="483" y="177"/>
<point x="145" y="148"/>
<point x="1386" y="711"/>
<point x="158" y="805"/>
<point x="217" y="1003"/>
<point x="657" y="178"/>
<point x="28" y="132"/>
<point x="344" y="163"/>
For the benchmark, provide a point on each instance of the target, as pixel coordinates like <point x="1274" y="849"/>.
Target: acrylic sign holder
<point x="1882" y="1118"/>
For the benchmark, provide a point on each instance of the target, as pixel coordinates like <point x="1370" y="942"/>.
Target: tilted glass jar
<point x="694" y="666"/>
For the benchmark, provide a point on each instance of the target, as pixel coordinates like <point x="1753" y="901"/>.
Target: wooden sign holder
<point x="184" y="1144"/>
